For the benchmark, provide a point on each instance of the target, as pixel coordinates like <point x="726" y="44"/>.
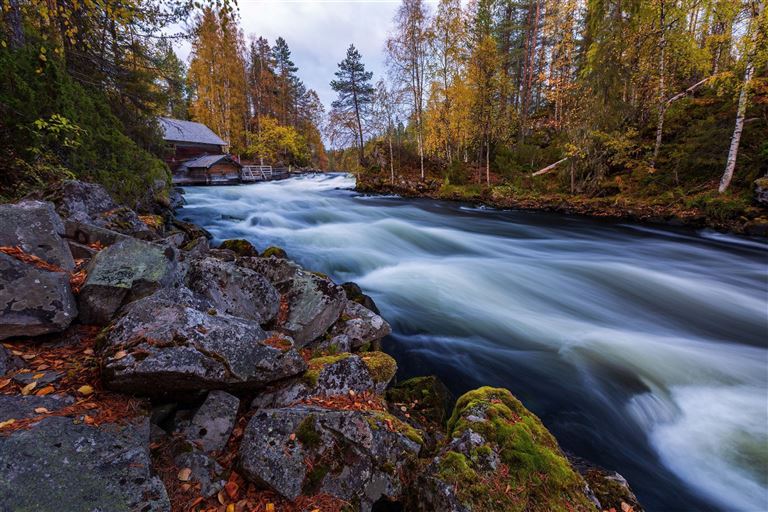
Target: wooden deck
<point x="248" y="174"/>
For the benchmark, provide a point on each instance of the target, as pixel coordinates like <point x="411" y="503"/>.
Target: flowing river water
<point x="642" y="349"/>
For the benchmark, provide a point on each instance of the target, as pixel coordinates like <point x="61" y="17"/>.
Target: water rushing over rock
<point x="641" y="349"/>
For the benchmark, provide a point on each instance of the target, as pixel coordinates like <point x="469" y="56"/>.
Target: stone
<point x="356" y="456"/>
<point x="280" y="272"/>
<point x="121" y="273"/>
<point x="761" y="191"/>
<point x="275" y="252"/>
<point x="355" y="294"/>
<point x="197" y="248"/>
<point x="358" y="327"/>
<point x="60" y="466"/>
<point x="20" y="407"/>
<point x="81" y="251"/>
<point x="427" y="399"/>
<point x="87" y="234"/>
<point x="193" y="231"/>
<point x="234" y="290"/>
<point x="176" y="198"/>
<point x="213" y="422"/>
<point x="33" y="301"/>
<point x="205" y="470"/>
<point x="173" y="348"/>
<point x="240" y="247"/>
<point x="490" y="430"/>
<point x="37" y="229"/>
<point x="335" y="375"/>
<point x="39" y="378"/>
<point x="607" y="488"/>
<point x="314" y="304"/>
<point x="223" y="254"/>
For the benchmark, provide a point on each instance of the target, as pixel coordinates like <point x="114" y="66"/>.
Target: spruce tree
<point x="353" y="83"/>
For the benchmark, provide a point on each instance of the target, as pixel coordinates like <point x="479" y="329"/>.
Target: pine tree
<point x="353" y="84"/>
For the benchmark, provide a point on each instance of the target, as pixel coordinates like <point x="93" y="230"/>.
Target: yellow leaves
<point x="185" y="474"/>
<point x="7" y="422"/>
<point x="41" y="410"/>
<point x="119" y="354"/>
<point x="28" y="388"/>
<point x="85" y="390"/>
<point x="270" y="507"/>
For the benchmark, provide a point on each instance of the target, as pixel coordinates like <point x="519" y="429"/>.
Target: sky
<point x="318" y="33"/>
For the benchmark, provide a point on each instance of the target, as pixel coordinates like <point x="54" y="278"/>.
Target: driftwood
<point x="548" y="168"/>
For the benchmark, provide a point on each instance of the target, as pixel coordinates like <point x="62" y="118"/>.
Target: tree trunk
<point x="733" y="151"/>
<point x="487" y="161"/>
<point x="16" y="27"/>
<point x="391" y="159"/>
<point x="662" y="91"/>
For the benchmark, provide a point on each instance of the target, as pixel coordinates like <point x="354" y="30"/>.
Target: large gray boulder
<point x="37" y="229"/>
<point x="33" y="301"/>
<point x="234" y="290"/>
<point x="60" y="466"/>
<point x="163" y="345"/>
<point x="90" y="203"/>
<point x="279" y="271"/>
<point x="337" y="375"/>
<point x="314" y="305"/>
<point x="19" y="407"/>
<point x="121" y="273"/>
<point x="357" y="456"/>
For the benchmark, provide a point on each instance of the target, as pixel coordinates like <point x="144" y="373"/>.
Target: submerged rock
<point x="171" y="348"/>
<point x="33" y="301"/>
<point x="234" y="290"/>
<point x="498" y="446"/>
<point x="60" y="466"/>
<point x="121" y="273"/>
<point x="357" y="456"/>
<point x="36" y="228"/>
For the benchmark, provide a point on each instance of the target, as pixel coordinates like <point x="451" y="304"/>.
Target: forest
<point x="661" y="100"/>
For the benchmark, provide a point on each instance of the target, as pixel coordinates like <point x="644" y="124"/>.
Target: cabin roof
<point x="177" y="130"/>
<point x="208" y="161"/>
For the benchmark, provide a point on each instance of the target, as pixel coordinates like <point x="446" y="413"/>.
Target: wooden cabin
<point x="195" y="154"/>
<point x="209" y="170"/>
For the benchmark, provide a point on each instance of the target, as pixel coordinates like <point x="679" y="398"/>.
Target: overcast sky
<point x="318" y="33"/>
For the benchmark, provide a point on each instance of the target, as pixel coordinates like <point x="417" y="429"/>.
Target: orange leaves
<point x="278" y="342"/>
<point x="365" y="401"/>
<point x="76" y="280"/>
<point x="19" y="254"/>
<point x="284" y="311"/>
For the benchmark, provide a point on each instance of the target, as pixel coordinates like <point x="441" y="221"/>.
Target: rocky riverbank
<point x="142" y="369"/>
<point x="721" y="216"/>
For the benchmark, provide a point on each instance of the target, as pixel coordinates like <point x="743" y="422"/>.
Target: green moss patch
<point x="317" y="364"/>
<point x="535" y="475"/>
<point x="277" y="252"/>
<point x="307" y="432"/>
<point x="240" y="247"/>
<point x="381" y="366"/>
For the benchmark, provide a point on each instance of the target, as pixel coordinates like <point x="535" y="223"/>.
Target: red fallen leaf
<point x="231" y="488"/>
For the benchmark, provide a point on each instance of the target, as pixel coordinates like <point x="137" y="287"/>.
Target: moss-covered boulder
<point x="500" y="458"/>
<point x="275" y="252"/>
<point x="240" y="247"/>
<point x="333" y="375"/>
<point x="422" y="402"/>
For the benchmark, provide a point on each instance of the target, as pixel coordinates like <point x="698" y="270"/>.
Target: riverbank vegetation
<point x="654" y="103"/>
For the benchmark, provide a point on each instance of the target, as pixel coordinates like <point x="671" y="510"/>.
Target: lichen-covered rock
<point x="234" y="290"/>
<point x="357" y="456"/>
<point x="33" y="301"/>
<point x="240" y="247"/>
<point x="213" y="422"/>
<point x="761" y="191"/>
<point x="204" y="470"/>
<point x="193" y="231"/>
<point x="171" y="347"/>
<point x="279" y="271"/>
<point x="121" y="273"/>
<point x="60" y="466"/>
<point x="357" y="328"/>
<point x="425" y="401"/>
<point x="608" y="489"/>
<point x="497" y="445"/>
<point x="87" y="234"/>
<point x="335" y="375"/>
<point x="314" y="304"/>
<point x="19" y="407"/>
<point x="37" y="229"/>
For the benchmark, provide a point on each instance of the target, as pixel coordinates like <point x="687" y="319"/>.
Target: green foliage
<point x="456" y="173"/>
<point x="53" y="128"/>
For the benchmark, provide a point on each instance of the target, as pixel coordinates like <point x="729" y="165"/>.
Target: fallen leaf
<point x="7" y="422"/>
<point x="185" y="474"/>
<point x="85" y="390"/>
<point x="38" y="376"/>
<point x="231" y="507"/>
<point x="626" y="507"/>
<point x="292" y="437"/>
<point x="28" y="388"/>
<point x="16" y="352"/>
<point x="270" y="507"/>
<point x="42" y="367"/>
<point x="88" y="351"/>
<point x="4" y="382"/>
<point x="47" y="390"/>
<point x="88" y="420"/>
<point x="222" y="497"/>
<point x="231" y="488"/>
<point x="28" y="356"/>
<point x="120" y="354"/>
<point x="41" y="410"/>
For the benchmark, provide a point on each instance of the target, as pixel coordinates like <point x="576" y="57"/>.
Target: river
<point x="643" y="349"/>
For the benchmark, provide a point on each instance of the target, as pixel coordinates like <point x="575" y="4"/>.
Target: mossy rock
<point x="381" y="366"/>
<point x="240" y="247"/>
<point x="426" y="396"/>
<point x="527" y="471"/>
<point x="277" y="252"/>
<point x="317" y="364"/>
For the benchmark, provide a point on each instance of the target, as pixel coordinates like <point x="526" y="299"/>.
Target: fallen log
<point x="548" y="168"/>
